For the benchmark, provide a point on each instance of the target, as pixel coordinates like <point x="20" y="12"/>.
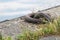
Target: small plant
<point x="8" y="38"/>
<point x="58" y="25"/>
<point x="0" y="36"/>
<point x="28" y="35"/>
<point x="24" y="36"/>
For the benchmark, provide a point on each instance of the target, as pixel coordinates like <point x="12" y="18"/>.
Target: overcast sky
<point x="14" y="8"/>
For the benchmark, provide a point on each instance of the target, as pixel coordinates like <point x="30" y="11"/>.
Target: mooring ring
<point x="30" y="18"/>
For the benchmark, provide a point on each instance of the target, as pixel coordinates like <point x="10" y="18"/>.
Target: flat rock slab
<point x="11" y="28"/>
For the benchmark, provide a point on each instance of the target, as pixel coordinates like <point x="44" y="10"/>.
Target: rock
<point x="18" y="25"/>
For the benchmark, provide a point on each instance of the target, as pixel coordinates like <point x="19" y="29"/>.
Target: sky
<point x="10" y="9"/>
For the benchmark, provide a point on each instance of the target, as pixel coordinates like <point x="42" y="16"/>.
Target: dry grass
<point x="51" y="28"/>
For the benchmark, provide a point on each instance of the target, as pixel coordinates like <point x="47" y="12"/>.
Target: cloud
<point x="41" y="2"/>
<point x="36" y="1"/>
<point x="6" y="0"/>
<point x="15" y="5"/>
<point x="14" y="13"/>
<point x="27" y="0"/>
